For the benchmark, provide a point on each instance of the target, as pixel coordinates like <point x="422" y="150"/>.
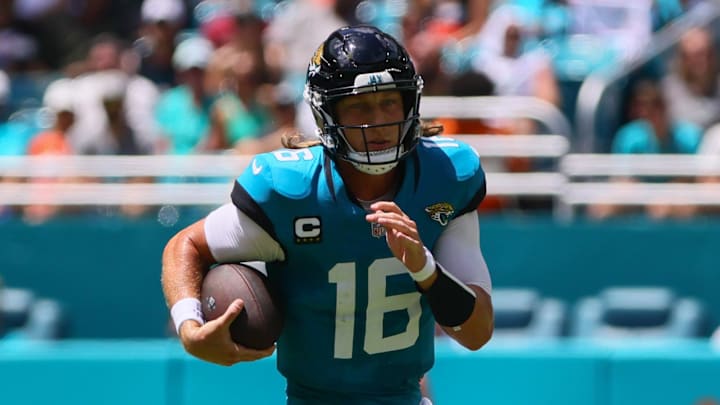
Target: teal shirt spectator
<point x="186" y="124"/>
<point x="181" y="120"/>
<point x="245" y="122"/>
<point x="665" y="11"/>
<point x="15" y="138"/>
<point x="639" y="137"/>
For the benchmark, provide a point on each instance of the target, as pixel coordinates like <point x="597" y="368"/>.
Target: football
<point x="259" y="324"/>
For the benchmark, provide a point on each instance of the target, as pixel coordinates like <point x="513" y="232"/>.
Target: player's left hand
<point x="401" y="234"/>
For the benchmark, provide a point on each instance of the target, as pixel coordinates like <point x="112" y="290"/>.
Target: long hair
<point x="697" y="39"/>
<point x="299" y="141"/>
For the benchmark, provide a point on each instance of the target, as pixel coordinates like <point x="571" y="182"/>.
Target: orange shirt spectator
<point x="59" y="99"/>
<point x="50" y="142"/>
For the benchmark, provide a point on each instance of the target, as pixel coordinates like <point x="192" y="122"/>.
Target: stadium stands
<point x="24" y="315"/>
<point x="523" y="313"/>
<point x="638" y="312"/>
<point x="565" y="287"/>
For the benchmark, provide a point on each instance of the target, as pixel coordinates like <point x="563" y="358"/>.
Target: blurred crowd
<point x="180" y="77"/>
<point x="137" y="77"/>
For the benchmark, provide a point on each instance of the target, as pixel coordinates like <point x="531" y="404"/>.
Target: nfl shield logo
<point x="378" y="231"/>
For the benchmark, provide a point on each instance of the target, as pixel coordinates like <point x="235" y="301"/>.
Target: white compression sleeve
<point x="458" y="251"/>
<point x="234" y="237"/>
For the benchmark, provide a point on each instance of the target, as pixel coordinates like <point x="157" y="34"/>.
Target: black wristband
<point x="451" y="301"/>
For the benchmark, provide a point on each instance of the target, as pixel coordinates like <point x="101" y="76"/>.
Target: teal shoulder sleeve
<point x="284" y="172"/>
<point x="455" y="168"/>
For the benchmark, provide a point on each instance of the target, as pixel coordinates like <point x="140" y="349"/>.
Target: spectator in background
<point x="15" y="132"/>
<point x="221" y="28"/>
<point x="119" y="137"/>
<point x="59" y="100"/>
<point x="294" y="33"/>
<point x="426" y="29"/>
<point x="226" y="22"/>
<point x="235" y="24"/>
<point x="692" y="88"/>
<point x="475" y="16"/>
<point x="711" y="141"/>
<point x="217" y="101"/>
<point x="665" y="11"/>
<point x="183" y="112"/>
<point x="430" y="27"/>
<point x="108" y="61"/>
<point x="652" y="131"/>
<point x="281" y="100"/>
<point x="15" y="135"/>
<point x="469" y="83"/>
<point x="236" y="77"/>
<point x="624" y="27"/>
<point x="62" y="29"/>
<point x="516" y="68"/>
<point x="161" y="20"/>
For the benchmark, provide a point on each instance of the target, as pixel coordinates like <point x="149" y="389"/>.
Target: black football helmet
<point x="355" y="60"/>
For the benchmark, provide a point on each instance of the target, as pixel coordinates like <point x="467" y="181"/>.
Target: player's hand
<point x="401" y="234"/>
<point x="211" y="342"/>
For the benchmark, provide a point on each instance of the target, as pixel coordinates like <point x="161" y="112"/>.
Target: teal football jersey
<point x="356" y="328"/>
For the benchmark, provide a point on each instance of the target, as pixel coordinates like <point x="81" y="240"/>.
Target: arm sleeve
<point x="232" y="236"/>
<point x="458" y="251"/>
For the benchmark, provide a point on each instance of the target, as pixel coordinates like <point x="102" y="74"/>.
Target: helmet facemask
<point x="334" y="135"/>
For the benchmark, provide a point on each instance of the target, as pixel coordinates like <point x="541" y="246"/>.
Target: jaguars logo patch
<point x="440" y="212"/>
<point x="314" y="67"/>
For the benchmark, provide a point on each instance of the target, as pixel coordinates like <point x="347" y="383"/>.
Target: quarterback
<point x="369" y="234"/>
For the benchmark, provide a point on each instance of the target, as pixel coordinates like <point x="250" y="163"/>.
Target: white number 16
<point x="379" y="303"/>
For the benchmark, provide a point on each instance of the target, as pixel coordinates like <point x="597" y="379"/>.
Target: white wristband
<point x="185" y="310"/>
<point x="427" y="270"/>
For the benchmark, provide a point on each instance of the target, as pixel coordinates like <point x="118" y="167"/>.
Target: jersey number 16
<point x="379" y="303"/>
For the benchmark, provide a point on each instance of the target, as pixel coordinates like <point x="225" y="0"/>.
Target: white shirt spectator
<point x="710" y="144"/>
<point x="626" y="25"/>
<point x="702" y="110"/>
<point x="297" y="30"/>
<point x="60" y="95"/>
<point x="140" y="96"/>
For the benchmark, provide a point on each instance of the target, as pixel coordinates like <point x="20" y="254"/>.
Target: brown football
<point x="259" y="324"/>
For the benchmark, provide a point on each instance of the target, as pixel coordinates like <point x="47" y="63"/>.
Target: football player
<point x="369" y="233"/>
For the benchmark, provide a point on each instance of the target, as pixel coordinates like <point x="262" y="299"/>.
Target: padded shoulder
<point x="287" y="172"/>
<point x="452" y="156"/>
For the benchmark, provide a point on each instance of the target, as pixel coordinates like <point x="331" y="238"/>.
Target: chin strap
<point x="374" y="169"/>
<point x="380" y="162"/>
